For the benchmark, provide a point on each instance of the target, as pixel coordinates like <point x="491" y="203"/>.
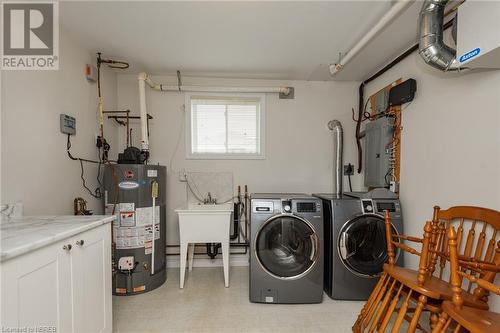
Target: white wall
<point x="298" y="142"/>
<point x="35" y="167"/>
<point x="450" y="142"/>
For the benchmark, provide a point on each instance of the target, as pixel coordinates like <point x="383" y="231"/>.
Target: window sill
<point x="225" y="157"/>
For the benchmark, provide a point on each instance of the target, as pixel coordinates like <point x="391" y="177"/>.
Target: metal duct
<point x="338" y="142"/>
<point x="431" y="45"/>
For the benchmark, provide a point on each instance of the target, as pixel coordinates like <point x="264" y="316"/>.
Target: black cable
<point x="350" y="185"/>
<point x="358" y="126"/>
<point x="99" y="61"/>
<point x="97" y="192"/>
<point x="68" y="147"/>
<point x="99" y="169"/>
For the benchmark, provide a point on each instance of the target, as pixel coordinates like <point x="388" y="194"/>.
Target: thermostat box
<point x="67" y="124"/>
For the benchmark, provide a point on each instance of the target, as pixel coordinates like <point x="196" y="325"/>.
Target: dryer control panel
<point x="391" y="205"/>
<point x="367" y="205"/>
<point x="306" y="207"/>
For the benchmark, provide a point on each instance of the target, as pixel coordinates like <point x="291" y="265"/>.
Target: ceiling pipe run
<point x="189" y="88"/>
<point x="143" y="78"/>
<point x="431" y="45"/>
<point x="392" y="13"/>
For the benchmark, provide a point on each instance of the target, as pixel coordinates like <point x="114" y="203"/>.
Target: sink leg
<point x="184" y="248"/>
<point x="191" y="256"/>
<point x="225" y="261"/>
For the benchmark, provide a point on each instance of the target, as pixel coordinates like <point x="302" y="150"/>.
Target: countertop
<point x="26" y="234"/>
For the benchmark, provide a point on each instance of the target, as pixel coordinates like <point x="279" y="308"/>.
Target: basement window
<point x="225" y="126"/>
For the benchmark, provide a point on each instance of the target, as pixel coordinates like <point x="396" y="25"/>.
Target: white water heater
<point x="478" y="34"/>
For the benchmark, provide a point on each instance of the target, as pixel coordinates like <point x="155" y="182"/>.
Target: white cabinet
<point x="65" y="285"/>
<point x="91" y="272"/>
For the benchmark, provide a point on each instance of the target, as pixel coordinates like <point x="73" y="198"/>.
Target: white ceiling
<point x="276" y="40"/>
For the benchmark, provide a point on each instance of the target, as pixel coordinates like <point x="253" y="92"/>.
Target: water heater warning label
<point x="127" y="219"/>
<point x="135" y="227"/>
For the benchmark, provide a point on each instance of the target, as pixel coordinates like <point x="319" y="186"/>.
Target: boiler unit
<point x="136" y="194"/>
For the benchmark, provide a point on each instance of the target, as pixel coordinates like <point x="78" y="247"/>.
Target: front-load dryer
<point x="286" y="251"/>
<point x="355" y="242"/>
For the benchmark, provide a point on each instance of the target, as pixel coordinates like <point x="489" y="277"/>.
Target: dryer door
<point x="286" y="246"/>
<point x="362" y="245"/>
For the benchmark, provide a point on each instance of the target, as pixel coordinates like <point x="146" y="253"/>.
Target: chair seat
<point x="433" y="288"/>
<point x="475" y="320"/>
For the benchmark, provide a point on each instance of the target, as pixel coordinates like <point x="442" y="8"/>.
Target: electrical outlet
<point x="348" y="169"/>
<point x="182" y="176"/>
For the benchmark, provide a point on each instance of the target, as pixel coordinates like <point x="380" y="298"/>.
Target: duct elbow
<point x="438" y="56"/>
<point x="431" y="45"/>
<point x="335" y="125"/>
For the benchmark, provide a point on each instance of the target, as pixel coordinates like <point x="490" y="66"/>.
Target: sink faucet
<point x="209" y="199"/>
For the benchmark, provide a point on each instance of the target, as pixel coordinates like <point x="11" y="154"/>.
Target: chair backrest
<point x="484" y="273"/>
<point x="477" y="232"/>
<point x="469" y="220"/>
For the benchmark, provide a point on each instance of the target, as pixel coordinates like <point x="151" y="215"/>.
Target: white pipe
<point x="143" y="78"/>
<point x="399" y="7"/>
<point x="283" y="90"/>
<point x="165" y="87"/>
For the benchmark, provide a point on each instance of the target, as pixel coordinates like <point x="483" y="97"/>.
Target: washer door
<point x="286" y="246"/>
<point x="362" y="245"/>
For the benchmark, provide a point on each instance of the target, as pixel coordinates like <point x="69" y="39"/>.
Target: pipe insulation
<point x="338" y="142"/>
<point x="398" y="8"/>
<point x="431" y="45"/>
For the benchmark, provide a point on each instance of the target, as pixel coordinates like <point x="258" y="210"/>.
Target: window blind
<point x="225" y="126"/>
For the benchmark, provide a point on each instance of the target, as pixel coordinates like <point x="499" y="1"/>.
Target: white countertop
<point x="26" y="234"/>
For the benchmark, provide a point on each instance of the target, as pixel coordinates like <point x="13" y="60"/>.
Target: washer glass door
<point x="362" y="245"/>
<point x="287" y="246"/>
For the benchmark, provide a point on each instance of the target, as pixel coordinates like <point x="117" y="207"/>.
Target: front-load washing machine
<point x="355" y="241"/>
<point x="286" y="251"/>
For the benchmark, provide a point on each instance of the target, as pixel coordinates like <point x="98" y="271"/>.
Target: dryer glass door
<point x="362" y="245"/>
<point x="287" y="246"/>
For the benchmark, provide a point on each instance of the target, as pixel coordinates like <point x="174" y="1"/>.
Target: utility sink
<point x="204" y="223"/>
<point x="202" y="208"/>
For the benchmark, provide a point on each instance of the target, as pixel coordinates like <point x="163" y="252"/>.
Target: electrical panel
<point x="377" y="152"/>
<point x="67" y="124"/>
<point x="381" y="101"/>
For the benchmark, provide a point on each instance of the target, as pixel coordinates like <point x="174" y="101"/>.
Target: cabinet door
<point x="36" y="289"/>
<point x="91" y="268"/>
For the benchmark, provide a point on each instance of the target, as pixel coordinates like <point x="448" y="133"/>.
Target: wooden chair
<point x="455" y="316"/>
<point x="421" y="287"/>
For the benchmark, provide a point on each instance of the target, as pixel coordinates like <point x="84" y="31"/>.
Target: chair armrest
<point x="482" y="283"/>
<point x="406" y="248"/>
<point x="408" y="238"/>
